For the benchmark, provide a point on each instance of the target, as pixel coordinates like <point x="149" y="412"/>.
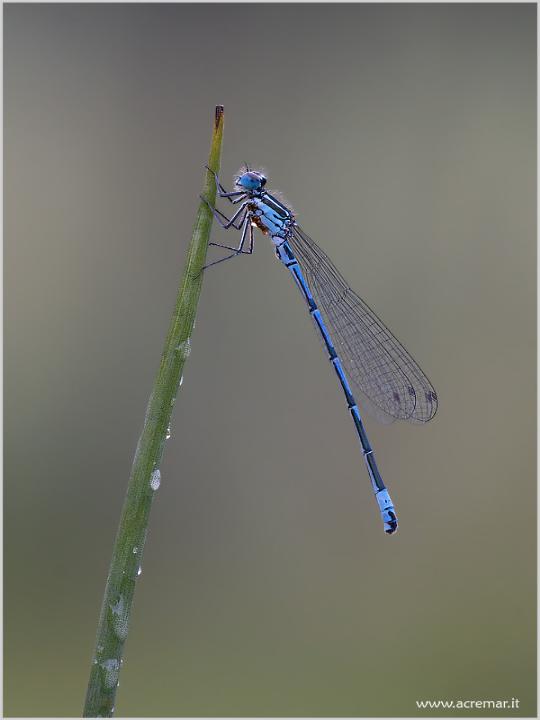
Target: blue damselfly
<point x="361" y="349"/>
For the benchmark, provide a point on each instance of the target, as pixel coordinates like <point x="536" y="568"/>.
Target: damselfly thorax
<point x="271" y="216"/>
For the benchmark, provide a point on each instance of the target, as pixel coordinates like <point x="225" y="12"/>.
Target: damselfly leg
<point x="230" y="222"/>
<point x="223" y="193"/>
<point x="247" y="227"/>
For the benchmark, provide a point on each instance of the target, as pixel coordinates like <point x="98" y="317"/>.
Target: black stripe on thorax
<point x="278" y="207"/>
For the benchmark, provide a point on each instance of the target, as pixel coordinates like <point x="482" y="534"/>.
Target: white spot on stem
<point x="185" y="348"/>
<point x="155" y="479"/>
<point x="111" y="669"/>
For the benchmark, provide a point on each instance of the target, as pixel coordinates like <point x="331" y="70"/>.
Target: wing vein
<point x="390" y="382"/>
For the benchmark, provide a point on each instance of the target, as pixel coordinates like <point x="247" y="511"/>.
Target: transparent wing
<point x="390" y="382"/>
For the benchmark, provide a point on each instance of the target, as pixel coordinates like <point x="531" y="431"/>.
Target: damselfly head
<point x="252" y="181"/>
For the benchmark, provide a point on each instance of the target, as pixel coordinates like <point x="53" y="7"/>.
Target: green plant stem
<point x="145" y="476"/>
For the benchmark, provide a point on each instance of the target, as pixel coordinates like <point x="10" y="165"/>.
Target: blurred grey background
<point x="404" y="136"/>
